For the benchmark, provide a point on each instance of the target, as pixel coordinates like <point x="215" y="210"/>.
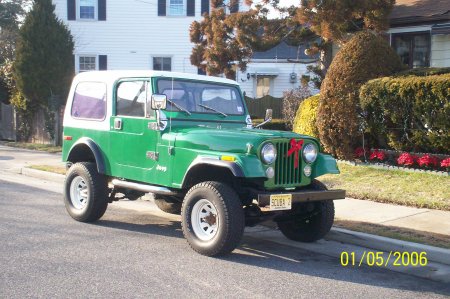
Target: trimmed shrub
<point x="305" y="119"/>
<point x="409" y="113"/>
<point x="366" y="56"/>
<point x="291" y="102"/>
<point x="275" y="124"/>
<point x="424" y="71"/>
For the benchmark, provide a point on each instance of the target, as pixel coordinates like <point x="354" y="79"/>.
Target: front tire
<point x="212" y="218"/>
<point x="85" y="192"/>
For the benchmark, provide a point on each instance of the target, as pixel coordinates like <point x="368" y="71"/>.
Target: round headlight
<point x="310" y="153"/>
<point x="268" y="153"/>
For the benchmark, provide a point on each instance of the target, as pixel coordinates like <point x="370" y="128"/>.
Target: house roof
<point x="284" y="51"/>
<point x="419" y="11"/>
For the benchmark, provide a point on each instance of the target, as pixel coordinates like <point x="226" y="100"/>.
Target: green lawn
<point x="421" y="190"/>
<point x="35" y="146"/>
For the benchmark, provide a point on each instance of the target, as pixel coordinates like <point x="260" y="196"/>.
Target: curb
<point x="435" y="254"/>
<point x="40" y="174"/>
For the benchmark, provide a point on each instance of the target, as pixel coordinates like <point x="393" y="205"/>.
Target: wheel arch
<point x="86" y="150"/>
<point x="210" y="169"/>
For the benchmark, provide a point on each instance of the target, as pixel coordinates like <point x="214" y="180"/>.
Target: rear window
<point x="89" y="101"/>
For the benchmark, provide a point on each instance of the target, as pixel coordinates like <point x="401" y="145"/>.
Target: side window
<point x="131" y="98"/>
<point x="89" y="101"/>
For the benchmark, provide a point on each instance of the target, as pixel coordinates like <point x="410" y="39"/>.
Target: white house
<point x="274" y="71"/>
<point x="154" y="34"/>
<point x="133" y="34"/>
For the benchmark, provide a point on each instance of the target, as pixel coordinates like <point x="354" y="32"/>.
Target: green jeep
<point x="190" y="141"/>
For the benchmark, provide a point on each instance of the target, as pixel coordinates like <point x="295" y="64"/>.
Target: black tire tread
<point x="233" y="215"/>
<point x="98" y="188"/>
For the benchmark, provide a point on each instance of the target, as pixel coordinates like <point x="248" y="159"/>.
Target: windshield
<point x="201" y="97"/>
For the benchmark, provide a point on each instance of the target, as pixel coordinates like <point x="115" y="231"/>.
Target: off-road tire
<point x="168" y="204"/>
<point x="314" y="227"/>
<point x="97" y="192"/>
<point x="231" y="220"/>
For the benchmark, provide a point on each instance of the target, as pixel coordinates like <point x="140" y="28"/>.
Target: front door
<point x="132" y="141"/>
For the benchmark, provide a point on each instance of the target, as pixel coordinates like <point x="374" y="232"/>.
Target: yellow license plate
<point x="280" y="202"/>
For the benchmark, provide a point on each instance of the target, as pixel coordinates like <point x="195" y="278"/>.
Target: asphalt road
<point x="131" y="254"/>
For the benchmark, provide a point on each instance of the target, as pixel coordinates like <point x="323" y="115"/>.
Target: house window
<point x="176" y="7"/>
<point x="413" y="48"/>
<point x="87" y="9"/>
<point x="262" y="86"/>
<point x="87" y="63"/>
<point x="162" y="63"/>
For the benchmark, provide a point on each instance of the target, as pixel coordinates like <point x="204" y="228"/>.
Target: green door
<point x="133" y="142"/>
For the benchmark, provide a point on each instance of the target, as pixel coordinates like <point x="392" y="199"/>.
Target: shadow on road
<point x="270" y="255"/>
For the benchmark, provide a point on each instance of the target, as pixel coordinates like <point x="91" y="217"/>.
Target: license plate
<point x="280" y="202"/>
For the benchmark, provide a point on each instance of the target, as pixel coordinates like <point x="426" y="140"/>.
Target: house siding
<point x="440" y="50"/>
<point x="280" y="83"/>
<point x="132" y="34"/>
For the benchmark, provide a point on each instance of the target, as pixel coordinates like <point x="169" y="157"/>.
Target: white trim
<point x="161" y="56"/>
<point x="183" y="14"/>
<point x="87" y="20"/>
<point x="409" y="29"/>
<point x="77" y="60"/>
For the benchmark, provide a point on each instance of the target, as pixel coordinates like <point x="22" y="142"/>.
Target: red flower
<point x="445" y="163"/>
<point x="377" y="156"/>
<point x="428" y="161"/>
<point x="406" y="159"/>
<point x="359" y="152"/>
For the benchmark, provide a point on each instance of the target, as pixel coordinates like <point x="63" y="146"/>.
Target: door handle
<point x="118" y="124"/>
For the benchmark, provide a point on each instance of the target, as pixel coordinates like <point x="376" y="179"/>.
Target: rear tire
<point x="212" y="218"/>
<point x="85" y="192"/>
<point x="312" y="227"/>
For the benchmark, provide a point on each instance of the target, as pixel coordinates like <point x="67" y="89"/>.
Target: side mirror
<point x="267" y="118"/>
<point x="268" y="115"/>
<point x="159" y="102"/>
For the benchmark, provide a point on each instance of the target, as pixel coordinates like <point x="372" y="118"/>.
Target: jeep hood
<point x="227" y="140"/>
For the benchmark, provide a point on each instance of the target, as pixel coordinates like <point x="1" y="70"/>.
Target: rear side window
<point x="89" y="101"/>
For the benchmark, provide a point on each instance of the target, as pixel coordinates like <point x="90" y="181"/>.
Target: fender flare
<point x="234" y="168"/>
<point x="94" y="149"/>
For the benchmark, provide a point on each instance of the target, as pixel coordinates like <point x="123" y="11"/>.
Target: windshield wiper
<point x="212" y="109"/>
<point x="179" y="107"/>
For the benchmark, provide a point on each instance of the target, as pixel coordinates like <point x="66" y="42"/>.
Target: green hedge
<point x="305" y="119"/>
<point x="424" y="71"/>
<point x="275" y="124"/>
<point x="408" y="113"/>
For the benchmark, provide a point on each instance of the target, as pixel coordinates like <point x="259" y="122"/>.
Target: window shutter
<point x="205" y="6"/>
<point x="161" y="7"/>
<point x="102" y="10"/>
<point x="71" y="10"/>
<point x="102" y="62"/>
<point x="234" y="6"/>
<point x="190" y="8"/>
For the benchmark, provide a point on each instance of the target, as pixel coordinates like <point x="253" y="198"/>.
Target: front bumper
<point x="303" y="196"/>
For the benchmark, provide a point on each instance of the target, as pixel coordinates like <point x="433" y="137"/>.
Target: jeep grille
<point x="285" y="173"/>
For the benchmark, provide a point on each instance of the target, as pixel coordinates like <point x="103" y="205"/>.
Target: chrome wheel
<point x="205" y="220"/>
<point x="79" y="193"/>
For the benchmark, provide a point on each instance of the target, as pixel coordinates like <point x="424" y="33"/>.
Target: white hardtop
<point x="112" y="76"/>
